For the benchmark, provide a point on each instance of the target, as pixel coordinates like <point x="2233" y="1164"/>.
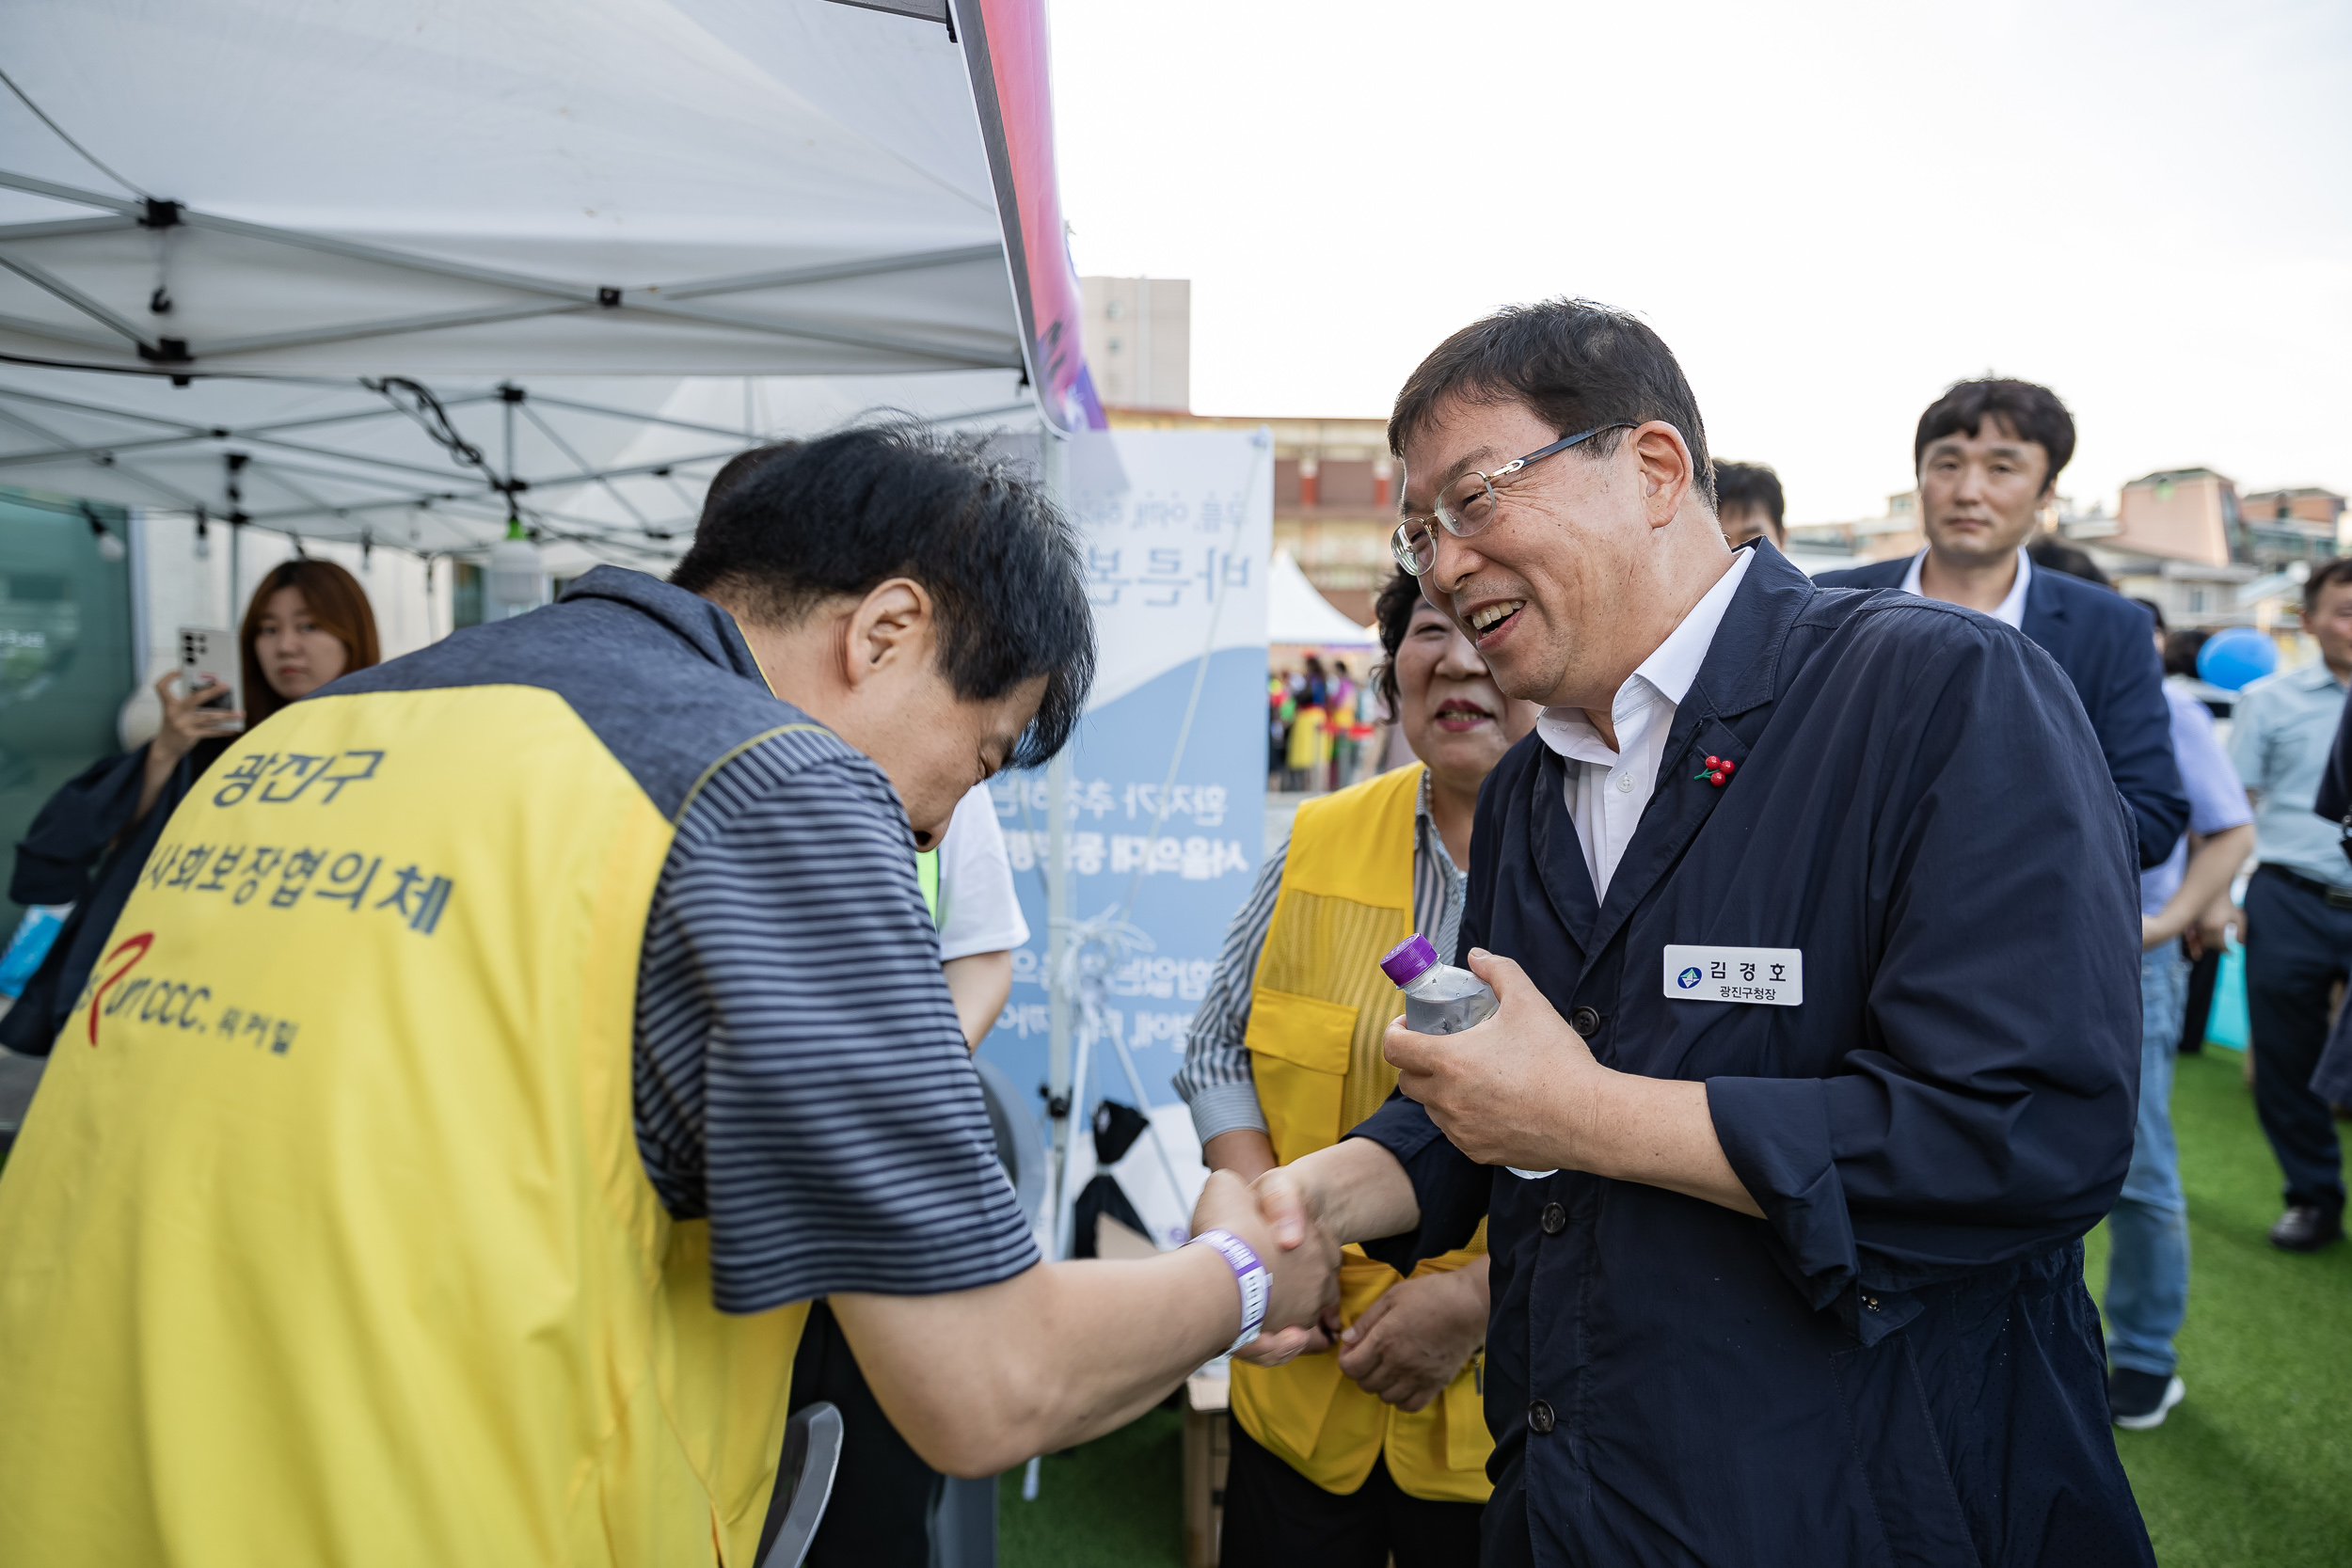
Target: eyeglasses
<point x="1469" y="504"/>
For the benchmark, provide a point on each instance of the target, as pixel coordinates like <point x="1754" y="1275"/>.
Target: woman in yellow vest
<point x="1375" y="1445"/>
<point x="1308" y="749"/>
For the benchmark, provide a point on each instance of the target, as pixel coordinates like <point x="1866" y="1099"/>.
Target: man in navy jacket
<point x="1988" y="455"/>
<point x="1812" y="917"/>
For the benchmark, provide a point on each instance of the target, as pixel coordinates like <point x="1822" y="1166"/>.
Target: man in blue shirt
<point x="1810" y="914"/>
<point x="1988" y="455"/>
<point x="2148" y="1232"/>
<point x="2297" y="920"/>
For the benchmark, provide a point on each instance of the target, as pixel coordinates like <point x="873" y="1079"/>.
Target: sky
<point x="1831" y="212"/>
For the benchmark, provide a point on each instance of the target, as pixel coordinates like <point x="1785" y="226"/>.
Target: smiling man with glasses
<point x="1813" y="1020"/>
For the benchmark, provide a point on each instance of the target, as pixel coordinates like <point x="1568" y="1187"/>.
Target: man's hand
<point x="1289" y="1207"/>
<point x="1414" y="1340"/>
<point x="1353" y="1191"/>
<point x="979" y="1379"/>
<point x="1523" y="1089"/>
<point x="1276" y="1346"/>
<point x="1520" y="1089"/>
<point x="1301" y="1258"/>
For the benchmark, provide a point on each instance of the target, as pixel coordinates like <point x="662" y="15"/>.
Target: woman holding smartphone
<point x="308" y="624"/>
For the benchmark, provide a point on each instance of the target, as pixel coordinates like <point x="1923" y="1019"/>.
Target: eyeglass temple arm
<point x="1560" y="445"/>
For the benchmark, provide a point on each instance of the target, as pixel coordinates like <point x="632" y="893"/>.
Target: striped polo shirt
<point x="801" y="1081"/>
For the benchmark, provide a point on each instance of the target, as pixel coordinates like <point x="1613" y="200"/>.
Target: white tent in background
<point x="1297" y="614"/>
<point x="369" y="272"/>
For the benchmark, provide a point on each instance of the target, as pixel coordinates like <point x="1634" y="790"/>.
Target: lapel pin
<point x="1715" y="772"/>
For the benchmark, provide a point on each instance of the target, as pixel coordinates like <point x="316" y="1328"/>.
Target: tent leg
<point x="1054" y="462"/>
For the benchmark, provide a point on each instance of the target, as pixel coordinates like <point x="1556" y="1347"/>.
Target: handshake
<point x="1404" y="1347"/>
<point x="1282" y="1223"/>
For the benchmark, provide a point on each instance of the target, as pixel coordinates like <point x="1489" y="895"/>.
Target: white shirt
<point x="978" y="911"/>
<point x="1607" y="789"/>
<point x="2010" y="611"/>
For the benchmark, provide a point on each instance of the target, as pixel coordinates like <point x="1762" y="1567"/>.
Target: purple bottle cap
<point x="1409" y="960"/>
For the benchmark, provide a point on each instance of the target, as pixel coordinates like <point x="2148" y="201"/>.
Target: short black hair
<point x="736" y="468"/>
<point x="1393" y="613"/>
<point x="2033" y="412"/>
<point x="2181" y="649"/>
<point x="803" y="522"/>
<point x="1575" y="364"/>
<point x="2049" y="552"/>
<point x="2155" y="612"/>
<point x="2325" y="575"/>
<point x="1745" y="485"/>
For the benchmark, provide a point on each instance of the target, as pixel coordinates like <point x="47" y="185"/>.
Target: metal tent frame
<point x="526" y="297"/>
<point x="387" y="460"/>
<point x="387" y="463"/>
<point x="390" y="276"/>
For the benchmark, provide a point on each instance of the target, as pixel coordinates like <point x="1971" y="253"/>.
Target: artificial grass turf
<point x="2252" y="1470"/>
<point x="1116" y="1502"/>
<point x="2254" y="1467"/>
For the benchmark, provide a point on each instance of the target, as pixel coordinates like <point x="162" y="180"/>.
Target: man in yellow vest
<point x="505" y="1044"/>
<point x="1374" y="1444"/>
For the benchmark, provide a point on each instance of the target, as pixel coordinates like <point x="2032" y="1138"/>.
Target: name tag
<point x="1771" y="976"/>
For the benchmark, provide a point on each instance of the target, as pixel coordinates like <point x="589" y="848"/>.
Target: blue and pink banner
<point x="1178" y="527"/>
<point x="1004" y="47"/>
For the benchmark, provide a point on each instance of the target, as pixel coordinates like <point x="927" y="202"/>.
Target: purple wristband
<point x="1256" y="1284"/>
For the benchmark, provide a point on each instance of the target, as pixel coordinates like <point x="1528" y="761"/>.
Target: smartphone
<point x="208" y="655"/>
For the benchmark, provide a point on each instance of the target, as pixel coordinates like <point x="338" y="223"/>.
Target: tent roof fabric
<point x="539" y="187"/>
<point x="610" y="203"/>
<point x="1297" y="615"/>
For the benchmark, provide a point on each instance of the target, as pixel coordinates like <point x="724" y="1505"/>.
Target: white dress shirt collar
<point x="1607" y="788"/>
<point x="2010" y="611"/>
<point x="1669" y="671"/>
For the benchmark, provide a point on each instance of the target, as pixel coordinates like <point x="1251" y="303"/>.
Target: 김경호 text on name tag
<point x="1771" y="976"/>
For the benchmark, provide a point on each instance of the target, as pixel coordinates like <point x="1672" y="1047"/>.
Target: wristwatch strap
<point x="1249" y="1273"/>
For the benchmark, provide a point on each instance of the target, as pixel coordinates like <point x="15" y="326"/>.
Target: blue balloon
<point x="2230" y="659"/>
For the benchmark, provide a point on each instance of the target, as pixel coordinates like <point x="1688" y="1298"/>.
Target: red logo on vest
<point x="137" y="946"/>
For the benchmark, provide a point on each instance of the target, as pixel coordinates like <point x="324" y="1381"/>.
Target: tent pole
<point x="1058" y="1064"/>
<point x="142" y="563"/>
<point x="1054" y="462"/>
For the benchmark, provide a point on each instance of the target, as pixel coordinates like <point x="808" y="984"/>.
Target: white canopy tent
<point x="369" y="274"/>
<point x="1298" y="616"/>
<point x="385" y="274"/>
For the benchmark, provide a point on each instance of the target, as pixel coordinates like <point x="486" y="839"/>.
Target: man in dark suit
<point x="1988" y="455"/>
<point x="1811" y="918"/>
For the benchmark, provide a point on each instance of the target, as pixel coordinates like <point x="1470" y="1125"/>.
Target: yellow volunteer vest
<point x="1318" y="1006"/>
<point x="1306" y="746"/>
<point x="328" y="1241"/>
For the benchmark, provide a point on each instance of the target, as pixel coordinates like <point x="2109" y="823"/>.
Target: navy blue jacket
<point x="2106" y="645"/>
<point x="85" y="851"/>
<point x="1900" y="1363"/>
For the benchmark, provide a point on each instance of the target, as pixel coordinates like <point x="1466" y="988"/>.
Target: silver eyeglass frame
<point x="1402" y="545"/>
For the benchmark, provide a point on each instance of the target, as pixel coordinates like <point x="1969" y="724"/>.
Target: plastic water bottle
<point x="1440" y="999"/>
